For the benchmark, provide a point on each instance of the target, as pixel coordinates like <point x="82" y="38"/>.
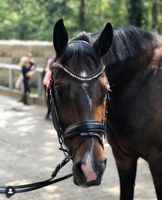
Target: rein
<point x="11" y="190"/>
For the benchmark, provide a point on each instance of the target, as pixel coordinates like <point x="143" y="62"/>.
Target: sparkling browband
<point x="72" y="74"/>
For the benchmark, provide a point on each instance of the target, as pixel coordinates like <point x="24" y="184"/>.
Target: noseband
<point x="89" y="128"/>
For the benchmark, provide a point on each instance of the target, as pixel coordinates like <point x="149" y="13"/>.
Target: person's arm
<point x="30" y="73"/>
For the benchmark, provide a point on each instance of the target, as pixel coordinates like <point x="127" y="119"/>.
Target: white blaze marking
<point x="85" y="86"/>
<point x="88" y="170"/>
<point x="87" y="167"/>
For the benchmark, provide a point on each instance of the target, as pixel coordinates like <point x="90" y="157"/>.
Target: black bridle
<point x="89" y="128"/>
<point x="84" y="129"/>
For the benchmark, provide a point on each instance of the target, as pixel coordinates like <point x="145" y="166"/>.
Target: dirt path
<point x="29" y="152"/>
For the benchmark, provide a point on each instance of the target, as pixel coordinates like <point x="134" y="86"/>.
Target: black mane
<point x="83" y="36"/>
<point x="80" y="50"/>
<point x="130" y="42"/>
<point x="127" y="42"/>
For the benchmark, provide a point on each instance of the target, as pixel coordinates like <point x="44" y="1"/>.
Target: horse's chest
<point x="131" y="145"/>
<point x="138" y="122"/>
<point x="132" y="131"/>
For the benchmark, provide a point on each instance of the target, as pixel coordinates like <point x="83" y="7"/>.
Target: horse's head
<point x="79" y="89"/>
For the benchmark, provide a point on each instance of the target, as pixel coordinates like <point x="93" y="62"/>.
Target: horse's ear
<point x="103" y="43"/>
<point x="60" y="37"/>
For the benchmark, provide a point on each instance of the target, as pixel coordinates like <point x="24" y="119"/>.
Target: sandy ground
<point x="29" y="152"/>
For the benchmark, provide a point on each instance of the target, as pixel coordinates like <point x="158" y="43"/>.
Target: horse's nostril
<point x="77" y="170"/>
<point x="104" y="162"/>
<point x="77" y="167"/>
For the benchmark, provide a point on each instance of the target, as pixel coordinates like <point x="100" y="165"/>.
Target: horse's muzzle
<point x="89" y="174"/>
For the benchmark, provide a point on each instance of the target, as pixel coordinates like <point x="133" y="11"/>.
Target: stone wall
<point x="12" y="50"/>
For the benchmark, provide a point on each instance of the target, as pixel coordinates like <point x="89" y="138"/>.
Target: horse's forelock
<point x="81" y="50"/>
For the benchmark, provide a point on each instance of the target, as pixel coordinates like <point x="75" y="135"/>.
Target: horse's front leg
<point x="127" y="172"/>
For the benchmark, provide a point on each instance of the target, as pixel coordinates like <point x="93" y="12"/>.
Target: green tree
<point x="34" y="19"/>
<point x="82" y="14"/>
<point x="135" y="12"/>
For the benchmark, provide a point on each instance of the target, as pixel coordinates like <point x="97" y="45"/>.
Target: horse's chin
<point x="85" y="184"/>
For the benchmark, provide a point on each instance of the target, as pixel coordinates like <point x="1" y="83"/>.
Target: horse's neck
<point x="122" y="74"/>
<point x="126" y="80"/>
<point x="129" y="77"/>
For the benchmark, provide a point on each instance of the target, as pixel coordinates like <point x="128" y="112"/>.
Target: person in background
<point x="46" y="82"/>
<point x="32" y="64"/>
<point x="26" y="74"/>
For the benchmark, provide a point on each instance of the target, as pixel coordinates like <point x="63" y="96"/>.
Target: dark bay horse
<point x="131" y="60"/>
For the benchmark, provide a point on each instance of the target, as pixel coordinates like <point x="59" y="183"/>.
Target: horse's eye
<point x="59" y="91"/>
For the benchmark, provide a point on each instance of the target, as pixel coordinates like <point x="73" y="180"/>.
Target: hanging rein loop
<point x="11" y="190"/>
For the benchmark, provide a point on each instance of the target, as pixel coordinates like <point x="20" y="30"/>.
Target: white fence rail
<point x="11" y="68"/>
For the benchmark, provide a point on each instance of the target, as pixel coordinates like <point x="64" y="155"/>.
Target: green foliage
<point x="135" y="10"/>
<point x="34" y="19"/>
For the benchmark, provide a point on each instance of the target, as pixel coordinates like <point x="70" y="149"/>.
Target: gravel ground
<point x="29" y="152"/>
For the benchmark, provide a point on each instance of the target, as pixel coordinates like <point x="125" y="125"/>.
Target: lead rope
<point x="11" y="190"/>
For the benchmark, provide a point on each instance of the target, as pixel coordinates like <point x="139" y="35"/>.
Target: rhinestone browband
<point x="80" y="78"/>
